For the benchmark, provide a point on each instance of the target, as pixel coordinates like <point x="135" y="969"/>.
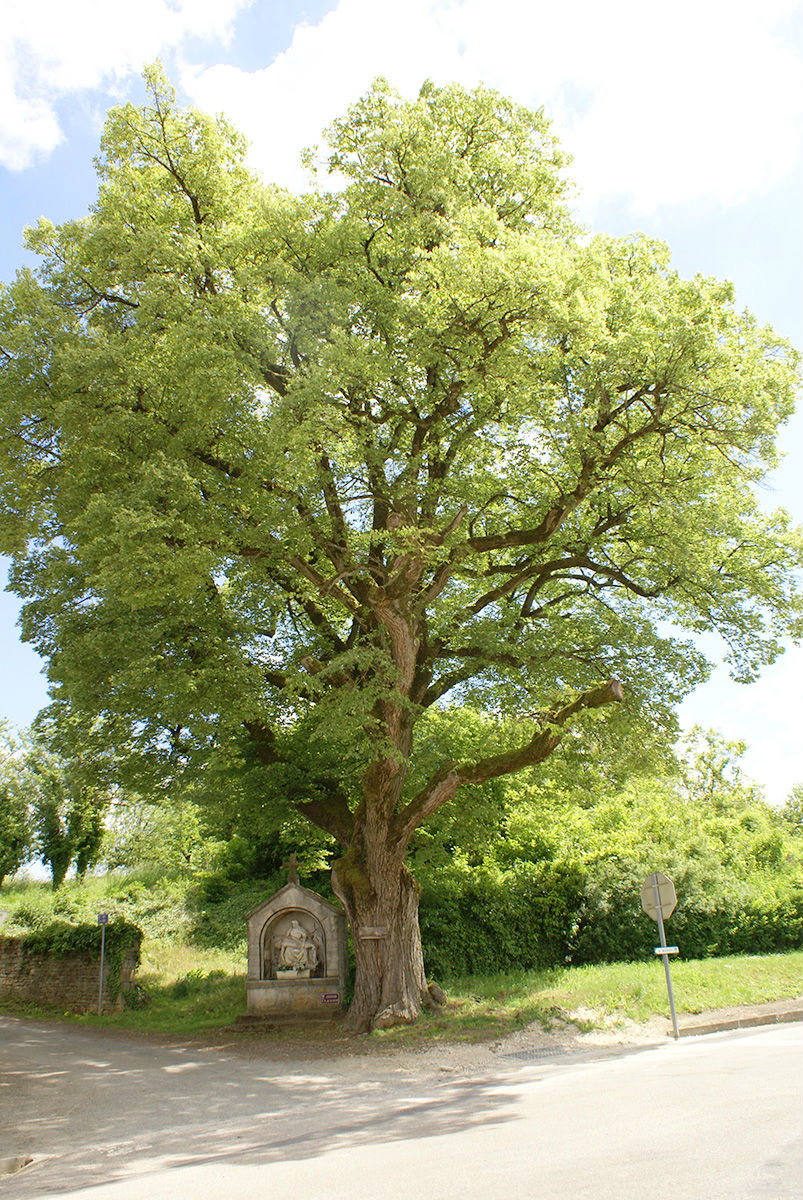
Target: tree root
<point x="394" y="1014"/>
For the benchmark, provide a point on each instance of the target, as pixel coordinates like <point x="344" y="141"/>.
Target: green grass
<point x="482" y="1007"/>
<point x="196" y="1005"/>
<point x="206" y="998"/>
<point x="638" y="990"/>
<point x="163" y="962"/>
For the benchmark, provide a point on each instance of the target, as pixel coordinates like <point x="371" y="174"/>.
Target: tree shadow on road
<point x="95" y="1109"/>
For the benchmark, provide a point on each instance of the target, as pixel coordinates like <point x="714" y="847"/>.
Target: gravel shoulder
<point x="564" y="1038"/>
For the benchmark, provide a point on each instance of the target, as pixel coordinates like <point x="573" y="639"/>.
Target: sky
<point x="684" y="122"/>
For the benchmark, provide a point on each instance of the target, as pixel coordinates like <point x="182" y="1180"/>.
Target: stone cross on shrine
<point x="292" y="868"/>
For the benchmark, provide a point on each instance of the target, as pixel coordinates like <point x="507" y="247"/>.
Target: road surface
<point x="112" y="1118"/>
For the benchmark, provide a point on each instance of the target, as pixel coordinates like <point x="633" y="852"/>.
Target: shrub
<point x="196" y="983"/>
<point x="487" y="922"/>
<point x="31" y="914"/>
<point x="541" y="915"/>
<point x="612" y="926"/>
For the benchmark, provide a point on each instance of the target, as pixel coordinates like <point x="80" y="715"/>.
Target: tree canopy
<point x="282" y="467"/>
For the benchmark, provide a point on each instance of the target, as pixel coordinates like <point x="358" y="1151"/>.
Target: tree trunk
<point x="380" y="897"/>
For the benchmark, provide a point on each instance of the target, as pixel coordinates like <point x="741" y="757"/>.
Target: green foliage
<point x="218" y="906"/>
<point x="206" y="911"/>
<point x="611" y="925"/>
<point x="792" y="811"/>
<point x="593" y="834"/>
<point x="260" y="851"/>
<point x="15" y="825"/>
<point x="250" y="806"/>
<point x="219" y="903"/>
<point x="153" y="901"/>
<point x="524" y="817"/>
<point x="15" y="835"/>
<point x="488" y="922"/>
<point x="30" y="914"/>
<point x="196" y="983"/>
<point x="63" y="796"/>
<point x="168" y="833"/>
<point x="479" y="922"/>
<point x="470" y="829"/>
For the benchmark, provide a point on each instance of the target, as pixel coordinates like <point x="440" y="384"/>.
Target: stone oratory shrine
<point x="297" y="954"/>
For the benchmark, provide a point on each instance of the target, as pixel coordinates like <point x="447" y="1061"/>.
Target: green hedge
<point x="756" y="928"/>
<point x="60" y="939"/>
<point x="611" y="925"/>
<point x="538" y="916"/>
<point x="484" y="923"/>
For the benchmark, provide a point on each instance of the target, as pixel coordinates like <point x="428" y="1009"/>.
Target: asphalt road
<point x="111" y="1118"/>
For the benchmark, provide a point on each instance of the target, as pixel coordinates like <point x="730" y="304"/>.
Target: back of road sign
<point x="665" y="896"/>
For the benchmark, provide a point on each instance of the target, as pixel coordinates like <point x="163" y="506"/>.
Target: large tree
<point x="292" y="469"/>
<point x="15" y="823"/>
<point x="67" y="785"/>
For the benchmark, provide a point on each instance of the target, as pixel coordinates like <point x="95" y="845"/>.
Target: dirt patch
<point x="565" y="1036"/>
<point x="580" y="1031"/>
<point x="10" y="1166"/>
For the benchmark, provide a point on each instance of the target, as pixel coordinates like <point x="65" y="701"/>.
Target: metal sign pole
<point x="665" y="956"/>
<point x="102" y="921"/>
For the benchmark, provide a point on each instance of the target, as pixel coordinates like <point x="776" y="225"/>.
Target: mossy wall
<point x="60" y="967"/>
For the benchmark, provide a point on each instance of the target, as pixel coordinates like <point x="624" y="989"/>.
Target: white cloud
<point x="660" y="104"/>
<point x="284" y="107"/>
<point x="51" y="48"/>
<point x="26" y="125"/>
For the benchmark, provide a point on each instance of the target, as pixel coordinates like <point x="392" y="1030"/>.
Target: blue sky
<point x="684" y="121"/>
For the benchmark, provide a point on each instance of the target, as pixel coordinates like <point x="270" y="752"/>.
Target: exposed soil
<point x="565" y="1037"/>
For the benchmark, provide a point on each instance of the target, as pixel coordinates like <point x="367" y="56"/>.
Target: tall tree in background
<point x="15" y="825"/>
<point x="302" y="467"/>
<point x="62" y="782"/>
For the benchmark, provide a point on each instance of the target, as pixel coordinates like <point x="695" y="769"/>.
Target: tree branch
<point x="333" y="815"/>
<point x="450" y="777"/>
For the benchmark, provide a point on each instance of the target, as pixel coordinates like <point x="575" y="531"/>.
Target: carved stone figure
<point x="297" y="950"/>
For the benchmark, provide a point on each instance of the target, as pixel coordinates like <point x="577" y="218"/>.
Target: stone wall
<point x="69" y="983"/>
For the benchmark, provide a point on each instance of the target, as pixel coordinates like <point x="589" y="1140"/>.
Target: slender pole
<point x="102" y="955"/>
<point x="665" y="956"/>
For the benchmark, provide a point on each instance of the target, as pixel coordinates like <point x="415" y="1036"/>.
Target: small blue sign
<point x="103" y="918"/>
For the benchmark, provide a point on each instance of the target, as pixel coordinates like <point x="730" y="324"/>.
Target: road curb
<point x="754" y="1019"/>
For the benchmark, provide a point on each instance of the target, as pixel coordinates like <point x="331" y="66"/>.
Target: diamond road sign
<point x="665" y="900"/>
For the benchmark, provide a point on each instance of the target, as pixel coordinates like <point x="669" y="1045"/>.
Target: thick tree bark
<point x="380" y="897"/>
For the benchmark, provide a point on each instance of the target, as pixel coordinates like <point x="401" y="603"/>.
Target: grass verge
<point x="610" y="994"/>
<point x="207" y="998"/>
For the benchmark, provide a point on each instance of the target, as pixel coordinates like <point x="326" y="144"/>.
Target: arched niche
<point x="293" y="946"/>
